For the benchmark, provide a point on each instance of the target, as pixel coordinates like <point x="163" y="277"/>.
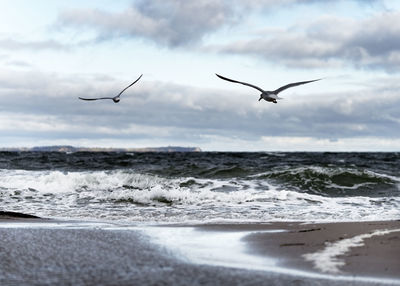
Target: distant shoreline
<point x="72" y="149"/>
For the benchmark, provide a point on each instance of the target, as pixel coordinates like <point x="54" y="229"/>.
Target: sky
<point x="52" y="52"/>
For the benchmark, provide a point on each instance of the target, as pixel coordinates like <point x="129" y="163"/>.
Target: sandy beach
<point x="38" y="251"/>
<point x="375" y="254"/>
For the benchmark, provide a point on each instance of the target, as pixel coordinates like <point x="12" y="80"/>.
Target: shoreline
<point x="78" y="252"/>
<point x="350" y="251"/>
<point x="378" y="255"/>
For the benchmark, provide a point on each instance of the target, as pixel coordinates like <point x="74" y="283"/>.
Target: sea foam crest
<point x="67" y="182"/>
<point x="128" y="195"/>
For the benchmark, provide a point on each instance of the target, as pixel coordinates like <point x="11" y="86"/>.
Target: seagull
<point x="116" y="98"/>
<point x="271" y="96"/>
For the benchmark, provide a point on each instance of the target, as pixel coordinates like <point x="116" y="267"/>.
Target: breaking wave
<point x="318" y="194"/>
<point x="334" y="181"/>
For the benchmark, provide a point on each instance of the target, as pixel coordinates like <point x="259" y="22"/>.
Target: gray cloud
<point x="46" y="106"/>
<point x="17" y="63"/>
<point x="267" y="5"/>
<point x="327" y="41"/>
<point x="172" y="23"/>
<point x="370" y="43"/>
<point x="11" y="44"/>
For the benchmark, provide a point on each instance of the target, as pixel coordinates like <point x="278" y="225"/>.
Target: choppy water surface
<point x="193" y="187"/>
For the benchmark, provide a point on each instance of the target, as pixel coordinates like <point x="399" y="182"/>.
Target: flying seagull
<point x="271" y="96"/>
<point x="116" y="98"/>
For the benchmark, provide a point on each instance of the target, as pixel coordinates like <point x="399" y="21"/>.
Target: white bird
<point x="271" y="96"/>
<point x="116" y="98"/>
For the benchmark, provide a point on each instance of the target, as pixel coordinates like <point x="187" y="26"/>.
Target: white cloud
<point x="32" y="123"/>
<point x="358" y="144"/>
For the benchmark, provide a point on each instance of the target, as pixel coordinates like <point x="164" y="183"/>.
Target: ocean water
<point x="202" y="187"/>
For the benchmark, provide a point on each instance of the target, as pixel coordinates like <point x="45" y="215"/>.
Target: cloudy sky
<point x="52" y="52"/>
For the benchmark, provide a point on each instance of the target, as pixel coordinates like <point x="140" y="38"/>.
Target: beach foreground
<point x="50" y="252"/>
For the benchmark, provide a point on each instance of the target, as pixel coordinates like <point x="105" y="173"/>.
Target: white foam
<point x="209" y="247"/>
<point x="327" y="260"/>
<point x="67" y="182"/>
<point x="228" y="249"/>
<point x="126" y="195"/>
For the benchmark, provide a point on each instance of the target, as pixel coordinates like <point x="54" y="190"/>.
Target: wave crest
<point x="127" y="195"/>
<point x="333" y="181"/>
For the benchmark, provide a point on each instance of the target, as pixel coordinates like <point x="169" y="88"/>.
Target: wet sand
<point x="34" y="252"/>
<point x="378" y="256"/>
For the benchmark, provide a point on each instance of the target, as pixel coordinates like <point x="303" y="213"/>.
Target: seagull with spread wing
<point x="271" y="96"/>
<point x="116" y="98"/>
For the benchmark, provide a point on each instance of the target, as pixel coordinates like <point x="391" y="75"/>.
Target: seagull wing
<point x="244" y="83"/>
<point x="292" y="85"/>
<point x="129" y="86"/>
<point x="95" y="98"/>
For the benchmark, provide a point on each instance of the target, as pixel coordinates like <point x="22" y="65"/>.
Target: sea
<point x="202" y="187"/>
